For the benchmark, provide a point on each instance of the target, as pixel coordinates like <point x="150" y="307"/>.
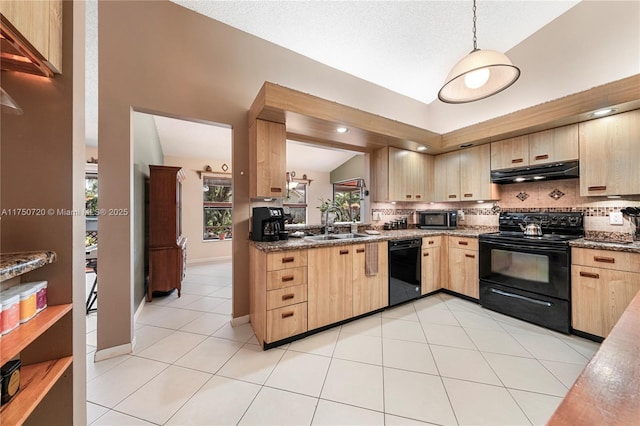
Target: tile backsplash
<point x="551" y="196"/>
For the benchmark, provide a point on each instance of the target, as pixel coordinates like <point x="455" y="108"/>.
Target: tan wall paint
<point x="198" y="250"/>
<point x="352" y="168"/>
<point x="159" y="57"/>
<point x="42" y="167"/>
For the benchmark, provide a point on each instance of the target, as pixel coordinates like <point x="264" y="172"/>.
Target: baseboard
<point x="224" y="259"/>
<point x="139" y="310"/>
<point x="114" y="351"/>
<point x="240" y="320"/>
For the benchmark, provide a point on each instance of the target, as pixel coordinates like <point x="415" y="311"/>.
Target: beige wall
<point x="352" y="168"/>
<point x="198" y="250"/>
<point x="321" y="187"/>
<point x="42" y="167"/>
<point x="158" y="57"/>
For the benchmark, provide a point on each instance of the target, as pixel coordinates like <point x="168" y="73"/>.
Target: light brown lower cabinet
<point x="330" y="285"/>
<point x="431" y="264"/>
<point x="277" y="294"/>
<point x="370" y="292"/>
<point x="603" y="283"/>
<point x="463" y="266"/>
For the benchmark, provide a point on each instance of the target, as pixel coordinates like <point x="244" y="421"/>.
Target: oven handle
<point x="534" y="248"/>
<point x="517" y="296"/>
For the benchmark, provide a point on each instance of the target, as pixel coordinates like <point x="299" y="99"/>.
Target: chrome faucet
<point x="326" y="218"/>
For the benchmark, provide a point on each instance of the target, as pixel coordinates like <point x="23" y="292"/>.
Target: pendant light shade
<point x="480" y="74"/>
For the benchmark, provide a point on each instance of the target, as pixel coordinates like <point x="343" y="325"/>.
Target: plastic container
<point x="10" y="380"/>
<point x="41" y="295"/>
<point x="27" y="294"/>
<point x="10" y="311"/>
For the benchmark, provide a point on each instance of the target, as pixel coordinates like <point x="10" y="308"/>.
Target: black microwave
<point x="437" y="219"/>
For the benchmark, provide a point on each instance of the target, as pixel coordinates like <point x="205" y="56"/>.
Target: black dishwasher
<point x="404" y="270"/>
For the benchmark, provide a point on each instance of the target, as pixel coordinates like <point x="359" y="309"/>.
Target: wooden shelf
<point x="36" y="380"/>
<point x="18" y="339"/>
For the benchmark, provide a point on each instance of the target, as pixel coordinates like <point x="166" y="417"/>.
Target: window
<point x="346" y="196"/>
<point x="217" y="198"/>
<point x="296" y="201"/>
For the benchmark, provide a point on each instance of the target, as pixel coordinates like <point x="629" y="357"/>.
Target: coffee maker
<point x="268" y="224"/>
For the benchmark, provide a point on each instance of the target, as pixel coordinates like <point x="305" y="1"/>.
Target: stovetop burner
<point x="557" y="228"/>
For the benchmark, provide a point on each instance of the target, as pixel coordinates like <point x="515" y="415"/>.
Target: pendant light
<point x="480" y="74"/>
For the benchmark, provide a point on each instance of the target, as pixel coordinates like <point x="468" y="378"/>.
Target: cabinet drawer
<point x="429" y="242"/>
<point x="286" y="322"/>
<point x="286" y="278"/>
<point x="620" y="261"/>
<point x="286" y="296"/>
<point x="286" y="259"/>
<point x="463" y="243"/>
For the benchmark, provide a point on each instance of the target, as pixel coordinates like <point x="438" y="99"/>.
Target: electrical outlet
<point x="377" y="215"/>
<point x="615" y="218"/>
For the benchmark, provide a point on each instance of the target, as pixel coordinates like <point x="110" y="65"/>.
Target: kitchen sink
<point x="335" y="237"/>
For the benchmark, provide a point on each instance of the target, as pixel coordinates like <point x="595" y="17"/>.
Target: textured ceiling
<point x="405" y="46"/>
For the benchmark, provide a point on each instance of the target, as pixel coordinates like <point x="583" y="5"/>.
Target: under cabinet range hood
<point x="18" y="54"/>
<point x="563" y="170"/>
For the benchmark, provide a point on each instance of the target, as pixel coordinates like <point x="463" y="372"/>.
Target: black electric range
<point x="529" y="277"/>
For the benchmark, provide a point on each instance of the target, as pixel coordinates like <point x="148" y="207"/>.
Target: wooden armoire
<point x="167" y="245"/>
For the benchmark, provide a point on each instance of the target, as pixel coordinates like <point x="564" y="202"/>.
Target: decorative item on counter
<point x="10" y="312"/>
<point x="10" y="380"/>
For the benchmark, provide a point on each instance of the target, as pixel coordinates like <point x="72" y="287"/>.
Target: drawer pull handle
<point x="597" y="188"/>
<point x="418" y="196"/>
<point x="407" y="196"/>
<point x="288" y="259"/>
<point x="288" y="296"/>
<point x="425" y="254"/>
<point x="344" y="251"/>
<point x="517" y="160"/>
<point x="287" y="278"/>
<point x="542" y="157"/>
<point x="431" y="242"/>
<point x="287" y="314"/>
<point x="589" y="275"/>
<point x="604" y="259"/>
<point x="453" y="196"/>
<point x="463" y="243"/>
<point x="472" y="256"/>
<point x="359" y="250"/>
<point x="468" y="195"/>
<point x="276" y="189"/>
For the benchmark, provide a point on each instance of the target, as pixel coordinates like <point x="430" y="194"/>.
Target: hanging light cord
<point x="475" y="39"/>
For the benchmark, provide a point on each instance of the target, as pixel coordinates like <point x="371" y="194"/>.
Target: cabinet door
<point x="510" y="153"/>
<point x="463" y="272"/>
<point x="599" y="297"/>
<point x="431" y="270"/>
<point x="447" y="177"/>
<point x="401" y="175"/>
<point x="475" y="174"/>
<point x="330" y="287"/>
<point x="267" y="158"/>
<point x="560" y="144"/>
<point x="610" y="154"/>
<point x="370" y="292"/>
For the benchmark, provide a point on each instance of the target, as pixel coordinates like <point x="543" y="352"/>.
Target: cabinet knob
<point x="407" y="196"/>
<point x="287" y="314"/>
<point x="288" y="296"/>
<point x="288" y="259"/>
<point x="425" y="254"/>
<point x="468" y="195"/>
<point x="542" y="157"/>
<point x="431" y="242"/>
<point x="604" y="259"/>
<point x="344" y="251"/>
<point x="471" y="256"/>
<point x="453" y="196"/>
<point x="287" y="278"/>
<point x="517" y="160"/>
<point x="418" y="196"/>
<point x="463" y="243"/>
<point x="359" y="250"/>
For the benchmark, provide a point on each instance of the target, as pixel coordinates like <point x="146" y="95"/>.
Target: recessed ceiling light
<point x="602" y="112"/>
<point x="342" y="130"/>
<point x="422" y="148"/>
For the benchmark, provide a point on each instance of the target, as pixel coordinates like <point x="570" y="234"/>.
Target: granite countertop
<point x="629" y="247"/>
<point x="303" y="243"/>
<point x="14" y="264"/>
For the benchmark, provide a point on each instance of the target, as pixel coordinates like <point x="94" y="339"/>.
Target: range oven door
<point x="527" y="281"/>
<point x="536" y="269"/>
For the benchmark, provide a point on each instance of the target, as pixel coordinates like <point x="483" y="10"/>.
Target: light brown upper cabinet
<point x="40" y="23"/>
<point x="464" y="175"/>
<point x="400" y="175"/>
<point x="267" y="159"/>
<point x="610" y="155"/>
<point x="559" y="144"/>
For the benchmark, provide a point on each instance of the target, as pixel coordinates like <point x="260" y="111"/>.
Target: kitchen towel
<point x="371" y="259"/>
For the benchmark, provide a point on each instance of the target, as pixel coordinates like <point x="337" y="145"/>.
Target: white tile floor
<point x="439" y="360"/>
